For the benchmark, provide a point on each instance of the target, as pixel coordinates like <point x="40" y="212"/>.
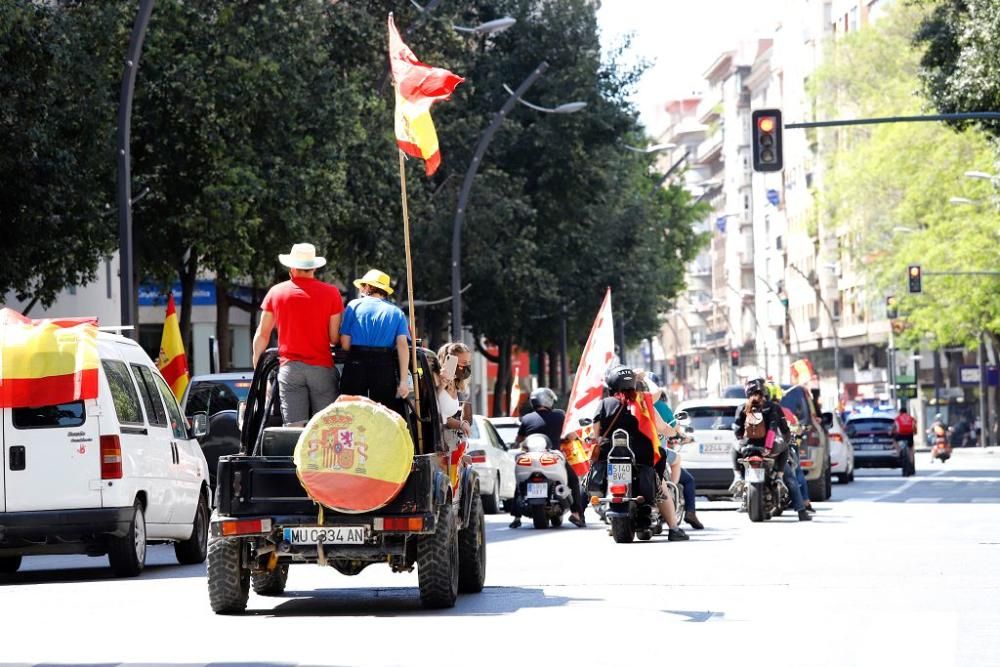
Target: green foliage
<point x="889" y="185"/>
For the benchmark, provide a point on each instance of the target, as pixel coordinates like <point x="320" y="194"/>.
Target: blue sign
<point x="773" y="197"/>
<point x="993" y="376"/>
<point x="203" y="295"/>
<point x="720" y="224"/>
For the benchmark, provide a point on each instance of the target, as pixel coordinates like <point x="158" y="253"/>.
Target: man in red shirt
<point x="307" y="313"/>
<point x="903" y="429"/>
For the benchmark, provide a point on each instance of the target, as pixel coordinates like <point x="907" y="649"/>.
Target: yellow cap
<point x="375" y="278"/>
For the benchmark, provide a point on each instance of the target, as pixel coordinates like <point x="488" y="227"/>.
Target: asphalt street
<point x="893" y="571"/>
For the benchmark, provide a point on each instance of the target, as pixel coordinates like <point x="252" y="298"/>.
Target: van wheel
<point x="9" y="564"/>
<point x="472" y="550"/>
<point x="194" y="549"/>
<point x="270" y="583"/>
<point x="127" y="554"/>
<point x="228" y="580"/>
<point x="437" y="562"/>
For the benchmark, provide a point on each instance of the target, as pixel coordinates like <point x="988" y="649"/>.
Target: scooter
<point x="630" y="515"/>
<point x="542" y="485"/>
<point x="763" y="495"/>
<point x="941" y="449"/>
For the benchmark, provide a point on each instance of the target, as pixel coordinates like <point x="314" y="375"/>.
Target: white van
<point x="107" y="475"/>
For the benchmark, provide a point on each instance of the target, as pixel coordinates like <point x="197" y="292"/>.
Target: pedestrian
<point x="376" y="335"/>
<point x="454" y="364"/>
<point x="307" y="314"/>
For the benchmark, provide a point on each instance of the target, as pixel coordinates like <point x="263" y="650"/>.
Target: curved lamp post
<point x="490" y="27"/>
<point x="470" y="175"/>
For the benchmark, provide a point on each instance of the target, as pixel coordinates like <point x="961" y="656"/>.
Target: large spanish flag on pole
<point x="46" y="362"/>
<point x="172" y="361"/>
<point x="418" y="86"/>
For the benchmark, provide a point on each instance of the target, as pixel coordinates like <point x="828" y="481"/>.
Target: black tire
<point x="472" y="551"/>
<point x="621" y="529"/>
<point x="556" y="521"/>
<point x="491" y="502"/>
<point x="644" y="535"/>
<point x="127" y="555"/>
<point x="228" y="580"/>
<point x="844" y="478"/>
<point x="270" y="583"/>
<point x="539" y="517"/>
<point x="820" y="489"/>
<point x="194" y="549"/>
<point x="755" y="503"/>
<point x="9" y="564"/>
<point x="437" y="563"/>
<point x="850" y="476"/>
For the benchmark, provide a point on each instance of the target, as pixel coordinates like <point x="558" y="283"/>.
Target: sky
<point x="681" y="38"/>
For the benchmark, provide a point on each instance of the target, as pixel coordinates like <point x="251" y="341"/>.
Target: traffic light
<point x="696" y="363"/>
<point x="767" y="146"/>
<point x="734" y="357"/>
<point x="672" y="362"/>
<point x="891" y="311"/>
<point x="914" y="274"/>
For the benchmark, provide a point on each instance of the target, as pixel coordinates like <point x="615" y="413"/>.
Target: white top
<point x="448" y="405"/>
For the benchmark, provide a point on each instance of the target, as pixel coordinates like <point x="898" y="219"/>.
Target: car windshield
<point x="507" y="432"/>
<point x="869" y="426"/>
<point x="214" y="396"/>
<point x="712" y="417"/>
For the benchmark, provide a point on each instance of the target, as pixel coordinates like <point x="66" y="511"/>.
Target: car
<point x="871" y="438"/>
<point x="814" y="443"/>
<point x="507" y="427"/>
<point x="494" y="463"/>
<point x="841" y="451"/>
<point x="709" y="457"/>
<point x="106" y="475"/>
<point x="218" y="395"/>
<point x="734" y="391"/>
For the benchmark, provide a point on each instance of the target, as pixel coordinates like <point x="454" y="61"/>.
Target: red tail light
<point x="837" y="437"/>
<point x="524" y="460"/>
<point x="244" y="527"/>
<point x="403" y="523"/>
<point x="477" y="456"/>
<point x="548" y="460"/>
<point x="755" y="461"/>
<point x="111" y="457"/>
<point x="618" y="489"/>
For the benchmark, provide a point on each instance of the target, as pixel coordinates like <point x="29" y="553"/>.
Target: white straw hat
<point x="302" y="256"/>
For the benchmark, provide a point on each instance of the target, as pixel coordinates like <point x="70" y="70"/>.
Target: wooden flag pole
<point x="409" y="300"/>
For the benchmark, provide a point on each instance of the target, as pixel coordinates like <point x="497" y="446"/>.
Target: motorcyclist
<point x="685" y="479"/>
<point x="548" y="422"/>
<point x="625" y="409"/>
<point x="792" y="468"/>
<point x="754" y="419"/>
<point x="902" y="431"/>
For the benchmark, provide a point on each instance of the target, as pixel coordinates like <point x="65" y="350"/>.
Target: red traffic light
<point x="766" y="142"/>
<point x="766" y="124"/>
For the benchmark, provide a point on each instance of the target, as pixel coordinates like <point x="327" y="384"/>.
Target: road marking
<point x="904" y="486"/>
<point x="922" y="500"/>
<point x="986" y="500"/>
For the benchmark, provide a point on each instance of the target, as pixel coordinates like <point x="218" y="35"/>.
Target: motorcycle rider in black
<point x="548" y="422"/>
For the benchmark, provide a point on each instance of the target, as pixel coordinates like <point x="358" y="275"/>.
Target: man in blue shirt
<point x="376" y="334"/>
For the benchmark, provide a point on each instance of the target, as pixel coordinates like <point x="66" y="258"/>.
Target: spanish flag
<point x="418" y="86"/>
<point x="803" y="372"/>
<point x="46" y="362"/>
<point x="172" y="361"/>
<point x="642" y="409"/>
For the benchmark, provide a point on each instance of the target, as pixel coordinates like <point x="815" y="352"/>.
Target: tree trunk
<point x="540" y="364"/>
<point x="501" y="389"/>
<point x="553" y="355"/>
<point x="222" y="322"/>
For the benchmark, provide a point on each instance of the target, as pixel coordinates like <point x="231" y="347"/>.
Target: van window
<point x="795" y="400"/>
<point x="150" y="397"/>
<point x="177" y="423"/>
<point x="62" y="415"/>
<point x="123" y="392"/>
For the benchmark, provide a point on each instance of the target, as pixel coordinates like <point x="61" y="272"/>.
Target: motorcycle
<point x="629" y="515"/>
<point x="763" y="495"/>
<point x="941" y="449"/>
<point x="542" y="485"/>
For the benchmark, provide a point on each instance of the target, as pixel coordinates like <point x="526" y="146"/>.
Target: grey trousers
<point x="305" y="390"/>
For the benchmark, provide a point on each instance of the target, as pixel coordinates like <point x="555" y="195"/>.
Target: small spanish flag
<point x="46" y="362"/>
<point x="172" y="361"/>
<point x="803" y="372"/>
<point x="418" y="86"/>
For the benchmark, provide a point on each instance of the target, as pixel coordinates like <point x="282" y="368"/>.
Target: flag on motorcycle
<point x="46" y="362"/>
<point x="172" y="361"/>
<point x="643" y="411"/>
<point x="418" y="86"/>
<point x="803" y="372"/>
<point x="577" y="455"/>
<point x="588" y="385"/>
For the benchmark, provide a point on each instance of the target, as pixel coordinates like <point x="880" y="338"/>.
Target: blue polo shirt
<point x="373" y="322"/>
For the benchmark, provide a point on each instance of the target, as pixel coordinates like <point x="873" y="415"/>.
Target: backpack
<point x="755" y="428"/>
<point x="904" y="424"/>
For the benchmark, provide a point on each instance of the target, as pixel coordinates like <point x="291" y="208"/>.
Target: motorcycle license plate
<point x="620" y="472"/>
<point x="538" y="490"/>
<point x="755" y="475"/>
<point x="328" y="535"/>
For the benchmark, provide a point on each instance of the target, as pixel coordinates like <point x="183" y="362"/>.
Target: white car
<point x="841" y="450"/>
<point x="709" y="457"/>
<point x="507" y="427"/>
<point x="107" y="475"/>
<point x="493" y="461"/>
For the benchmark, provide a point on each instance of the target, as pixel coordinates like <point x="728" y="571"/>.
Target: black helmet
<point x="754" y="386"/>
<point x="543" y="397"/>
<point x="619" y="378"/>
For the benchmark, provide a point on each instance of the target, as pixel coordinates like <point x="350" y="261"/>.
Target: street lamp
<point x="833" y="326"/>
<point x="488" y="28"/>
<point x="569" y="107"/>
<point x="655" y="148"/>
<point x="964" y="200"/>
<point x="981" y="175"/>
<point x="470" y="174"/>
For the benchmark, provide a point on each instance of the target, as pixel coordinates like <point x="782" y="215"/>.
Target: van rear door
<point x="52" y="457"/>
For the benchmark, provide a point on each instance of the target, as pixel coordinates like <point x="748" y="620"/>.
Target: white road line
<point x="986" y="500"/>
<point x="904" y="486"/>
<point x="923" y="500"/>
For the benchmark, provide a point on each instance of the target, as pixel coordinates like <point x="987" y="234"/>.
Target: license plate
<point x="538" y="490"/>
<point x="873" y="447"/>
<point x="327" y="535"/>
<point x="620" y="472"/>
<point x="714" y="448"/>
<point x="755" y="474"/>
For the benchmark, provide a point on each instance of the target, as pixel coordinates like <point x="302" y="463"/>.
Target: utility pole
<point x="984" y="439"/>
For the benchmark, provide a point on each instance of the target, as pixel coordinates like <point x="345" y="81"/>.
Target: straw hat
<point x="376" y="279"/>
<point x="303" y="256"/>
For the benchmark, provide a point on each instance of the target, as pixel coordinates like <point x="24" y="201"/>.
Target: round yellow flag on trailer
<point x="354" y="456"/>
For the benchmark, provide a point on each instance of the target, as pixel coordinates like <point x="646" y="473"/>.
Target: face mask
<point x="463" y="373"/>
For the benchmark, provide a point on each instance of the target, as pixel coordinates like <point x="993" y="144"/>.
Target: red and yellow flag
<point x="46" y="362"/>
<point x="642" y="409"/>
<point x="418" y="86"/>
<point x="803" y="372"/>
<point x="172" y="361"/>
